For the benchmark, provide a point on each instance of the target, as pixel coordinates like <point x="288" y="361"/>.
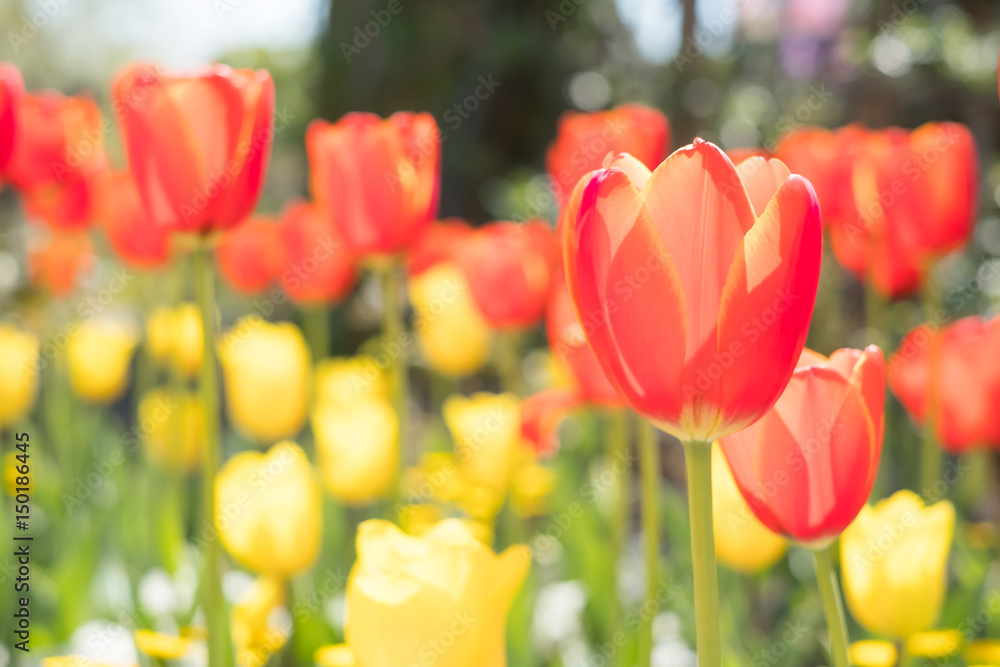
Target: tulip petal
<point x="761" y="178"/>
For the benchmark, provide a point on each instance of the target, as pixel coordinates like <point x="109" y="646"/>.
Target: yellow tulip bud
<point x="334" y="655"/>
<point x="161" y="646"/>
<point x="486" y="429"/>
<point x="530" y="489"/>
<point x="418" y="519"/>
<point x="18" y="373"/>
<point x="894" y="561"/>
<point x="187" y="346"/>
<point x="173" y="429"/>
<point x="344" y="381"/>
<point x="982" y="651"/>
<point x="935" y="643"/>
<point x="98" y="354"/>
<point x="873" y="653"/>
<point x="358" y="450"/>
<point x="256" y="633"/>
<point x="268" y="510"/>
<point x="453" y="335"/>
<point x="160" y="334"/>
<point x="742" y="542"/>
<point x="266" y="369"/>
<point x="444" y="588"/>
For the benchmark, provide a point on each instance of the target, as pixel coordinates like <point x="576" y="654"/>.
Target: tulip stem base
<point x="649" y="477"/>
<point x="219" y="649"/>
<point x="508" y="360"/>
<point x="617" y="433"/>
<point x="316" y="323"/>
<point x="833" y="606"/>
<point x="698" y="460"/>
<point x="394" y="345"/>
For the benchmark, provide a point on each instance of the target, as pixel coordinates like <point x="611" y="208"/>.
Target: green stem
<point x="649" y="472"/>
<point x="616" y="429"/>
<point x="219" y="650"/>
<point x="698" y="457"/>
<point x="394" y="347"/>
<point x="316" y="323"/>
<point x="508" y="360"/>
<point x="833" y="606"/>
<point x="875" y="305"/>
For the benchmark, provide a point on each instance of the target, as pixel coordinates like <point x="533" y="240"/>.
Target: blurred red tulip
<point x="317" y="268"/>
<point x="139" y="243"/>
<point x="956" y="367"/>
<point x="541" y="415"/>
<point x="59" y="260"/>
<point x="11" y="91"/>
<point x="509" y="269"/>
<point x="378" y="178"/>
<point x="437" y="244"/>
<point x="58" y="158"/>
<point x="807" y="466"/>
<point x="250" y="256"/>
<point x="584" y="140"/>
<point x="916" y="195"/>
<point x="696" y="306"/>
<point x="197" y="145"/>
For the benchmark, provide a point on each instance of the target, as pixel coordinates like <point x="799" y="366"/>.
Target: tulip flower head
<point x="259" y="629"/>
<point x="445" y="583"/>
<point x="173" y="429"/>
<point x="249" y="256"/>
<point x="187" y="345"/>
<point x="807" y="466"/>
<point x="378" y="179"/>
<point x="694" y="295"/>
<point x="11" y="91"/>
<point x="268" y="510"/>
<point x="316" y="267"/>
<point x="486" y="429"/>
<point x="358" y="449"/>
<point x="98" y="356"/>
<point x="437" y="244"/>
<point x="18" y="374"/>
<point x="345" y="381"/>
<point x="894" y="561"/>
<point x="133" y="237"/>
<point x="197" y="144"/>
<point x="59" y="259"/>
<point x="334" y="655"/>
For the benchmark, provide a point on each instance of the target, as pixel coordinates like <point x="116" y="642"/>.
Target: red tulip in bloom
<point x="316" y="266"/>
<point x="916" y="195"/>
<point x="509" y="269"/>
<point x="11" y="91"/>
<point x="807" y="466"/>
<point x="694" y="295"/>
<point x="59" y="259"/>
<point x="584" y="139"/>
<point x="378" y="178"/>
<point x="137" y="241"/>
<point x="437" y="244"/>
<point x="197" y="144"/>
<point x="249" y="256"/>
<point x="58" y="159"/>
<point x="955" y="371"/>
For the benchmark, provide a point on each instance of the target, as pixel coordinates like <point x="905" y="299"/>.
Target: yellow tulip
<point x="344" y="381"/>
<point x="72" y="661"/>
<point x="742" y="542"/>
<point x="452" y="333"/>
<point x="873" y="653"/>
<point x="160" y="334"/>
<point x="486" y="429"/>
<point x="18" y="373"/>
<point x="358" y="450"/>
<point x="256" y="630"/>
<point x="935" y="643"/>
<point x="161" y="646"/>
<point x="187" y="346"/>
<point x="419" y="518"/>
<point x="444" y="595"/>
<point x="985" y="651"/>
<point x="268" y="510"/>
<point x="334" y="655"/>
<point x="173" y="429"/>
<point x="894" y="560"/>
<point x="98" y="355"/>
<point x="531" y="487"/>
<point x="266" y="369"/>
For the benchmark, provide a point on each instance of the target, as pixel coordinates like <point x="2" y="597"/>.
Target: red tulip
<point x="509" y="269"/>
<point x="956" y="367"/>
<point x="378" y="179"/>
<point x="11" y="91"/>
<point x="584" y="139"/>
<point x="541" y="415"/>
<point x="139" y="243"/>
<point x="58" y="261"/>
<point x="807" y="466"/>
<point x="916" y="195"/>
<point x="250" y="256"/>
<point x="696" y="303"/>
<point x="198" y="144"/>
<point x="58" y="158"/>
<point x="437" y="244"/>
<point x="317" y="267"/>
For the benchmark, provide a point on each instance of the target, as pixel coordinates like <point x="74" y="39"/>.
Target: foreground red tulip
<point x="134" y="238"/>
<point x="378" y="178"/>
<point x="585" y="138"/>
<point x="249" y="256"/>
<point x="437" y="244"/>
<point x="316" y="266"/>
<point x="695" y="300"/>
<point x="916" y="195"/>
<point x="807" y="466"/>
<point x="955" y="372"/>
<point x="509" y="268"/>
<point x="197" y="144"/>
<point x="11" y="91"/>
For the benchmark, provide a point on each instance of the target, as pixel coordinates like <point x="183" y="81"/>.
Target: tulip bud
<point x="98" y="356"/>
<point x="486" y="429"/>
<point x="173" y="428"/>
<point x="18" y="374"/>
<point x="358" y="449"/>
